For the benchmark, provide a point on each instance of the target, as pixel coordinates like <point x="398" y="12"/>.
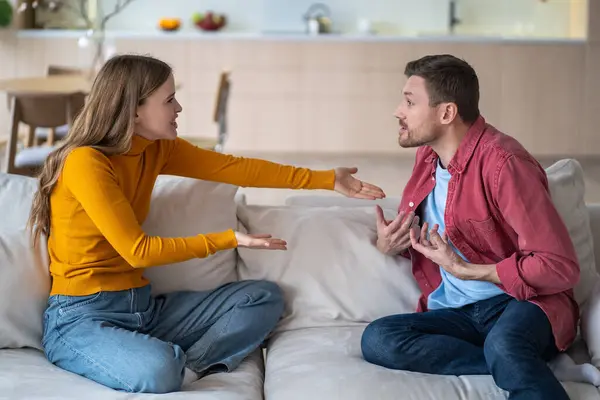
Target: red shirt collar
<point x="466" y="149"/>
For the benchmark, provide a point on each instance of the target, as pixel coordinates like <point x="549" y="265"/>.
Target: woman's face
<point x="156" y="118"/>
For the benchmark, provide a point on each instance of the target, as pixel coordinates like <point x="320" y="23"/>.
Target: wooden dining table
<point x="56" y="84"/>
<point x="53" y="84"/>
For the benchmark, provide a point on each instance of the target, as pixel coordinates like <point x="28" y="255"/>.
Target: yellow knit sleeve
<point x="89" y="176"/>
<point x="185" y="159"/>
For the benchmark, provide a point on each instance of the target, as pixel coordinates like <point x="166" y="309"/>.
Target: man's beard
<point x="417" y="137"/>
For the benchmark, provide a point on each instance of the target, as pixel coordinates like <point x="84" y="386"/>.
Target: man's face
<point x="419" y="123"/>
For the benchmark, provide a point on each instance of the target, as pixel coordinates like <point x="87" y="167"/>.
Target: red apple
<point x="210" y="21"/>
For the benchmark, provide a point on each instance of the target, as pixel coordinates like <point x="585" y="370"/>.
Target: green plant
<point x="6" y="13"/>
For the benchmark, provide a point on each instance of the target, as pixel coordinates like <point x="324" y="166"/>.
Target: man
<point x="493" y="258"/>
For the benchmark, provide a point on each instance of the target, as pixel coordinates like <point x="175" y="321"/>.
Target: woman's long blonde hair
<point x="105" y="123"/>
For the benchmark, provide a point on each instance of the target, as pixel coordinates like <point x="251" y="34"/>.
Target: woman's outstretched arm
<point x="185" y="159"/>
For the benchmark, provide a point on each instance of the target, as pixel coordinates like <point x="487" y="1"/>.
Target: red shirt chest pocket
<point x="489" y="238"/>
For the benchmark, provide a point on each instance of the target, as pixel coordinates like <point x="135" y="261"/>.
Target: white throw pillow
<point x="567" y="188"/>
<point x="24" y="275"/>
<point x="332" y="274"/>
<point x="187" y="207"/>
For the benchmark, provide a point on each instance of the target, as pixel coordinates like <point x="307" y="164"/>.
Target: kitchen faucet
<point x="317" y="19"/>
<point x="452" y="19"/>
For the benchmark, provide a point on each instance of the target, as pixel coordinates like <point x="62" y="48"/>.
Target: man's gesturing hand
<point x="438" y="250"/>
<point x="393" y="237"/>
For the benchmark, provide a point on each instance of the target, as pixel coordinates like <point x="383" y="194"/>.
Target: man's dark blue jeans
<point x="511" y="340"/>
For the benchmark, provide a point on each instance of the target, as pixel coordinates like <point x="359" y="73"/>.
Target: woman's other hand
<point x="260" y="241"/>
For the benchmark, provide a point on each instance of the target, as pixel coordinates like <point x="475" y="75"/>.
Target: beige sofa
<point x="334" y="279"/>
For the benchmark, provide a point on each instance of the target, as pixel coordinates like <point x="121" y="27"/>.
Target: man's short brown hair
<point x="449" y="79"/>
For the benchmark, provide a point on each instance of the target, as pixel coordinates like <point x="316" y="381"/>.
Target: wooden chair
<point x="52" y="135"/>
<point x="219" y="117"/>
<point x="48" y="110"/>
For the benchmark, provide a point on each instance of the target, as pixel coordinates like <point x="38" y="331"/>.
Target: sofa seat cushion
<point x="25" y="374"/>
<point x="326" y="363"/>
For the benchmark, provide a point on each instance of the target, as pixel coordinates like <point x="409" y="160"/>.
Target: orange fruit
<point x="169" y="24"/>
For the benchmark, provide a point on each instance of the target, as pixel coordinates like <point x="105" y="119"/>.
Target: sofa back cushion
<point x="179" y="206"/>
<point x="24" y="277"/>
<point x="187" y="207"/>
<point x="567" y="188"/>
<point x="333" y="274"/>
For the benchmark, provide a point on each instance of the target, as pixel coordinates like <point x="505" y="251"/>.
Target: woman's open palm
<point x="260" y="241"/>
<point x="349" y="186"/>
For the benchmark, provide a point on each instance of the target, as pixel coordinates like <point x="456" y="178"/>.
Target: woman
<point x="95" y="190"/>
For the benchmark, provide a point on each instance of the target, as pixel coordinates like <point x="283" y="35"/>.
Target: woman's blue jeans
<point x="134" y="342"/>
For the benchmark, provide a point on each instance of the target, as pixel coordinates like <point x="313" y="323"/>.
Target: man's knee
<point x="509" y="341"/>
<point x="370" y="342"/>
<point x="375" y="342"/>
<point x="496" y="345"/>
<point x="507" y="348"/>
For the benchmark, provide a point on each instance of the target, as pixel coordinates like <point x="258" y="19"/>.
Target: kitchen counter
<point x="293" y="93"/>
<point x="298" y="36"/>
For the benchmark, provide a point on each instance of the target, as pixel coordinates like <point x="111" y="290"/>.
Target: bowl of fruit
<point x="169" y="24"/>
<point x="209" y="21"/>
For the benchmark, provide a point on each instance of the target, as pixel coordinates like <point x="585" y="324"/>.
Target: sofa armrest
<point x="590" y="325"/>
<point x="594" y="212"/>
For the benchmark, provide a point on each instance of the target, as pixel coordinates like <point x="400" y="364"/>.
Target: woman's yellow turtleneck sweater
<point x="96" y="242"/>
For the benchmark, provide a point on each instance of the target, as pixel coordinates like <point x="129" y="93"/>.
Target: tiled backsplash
<point x="556" y="18"/>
